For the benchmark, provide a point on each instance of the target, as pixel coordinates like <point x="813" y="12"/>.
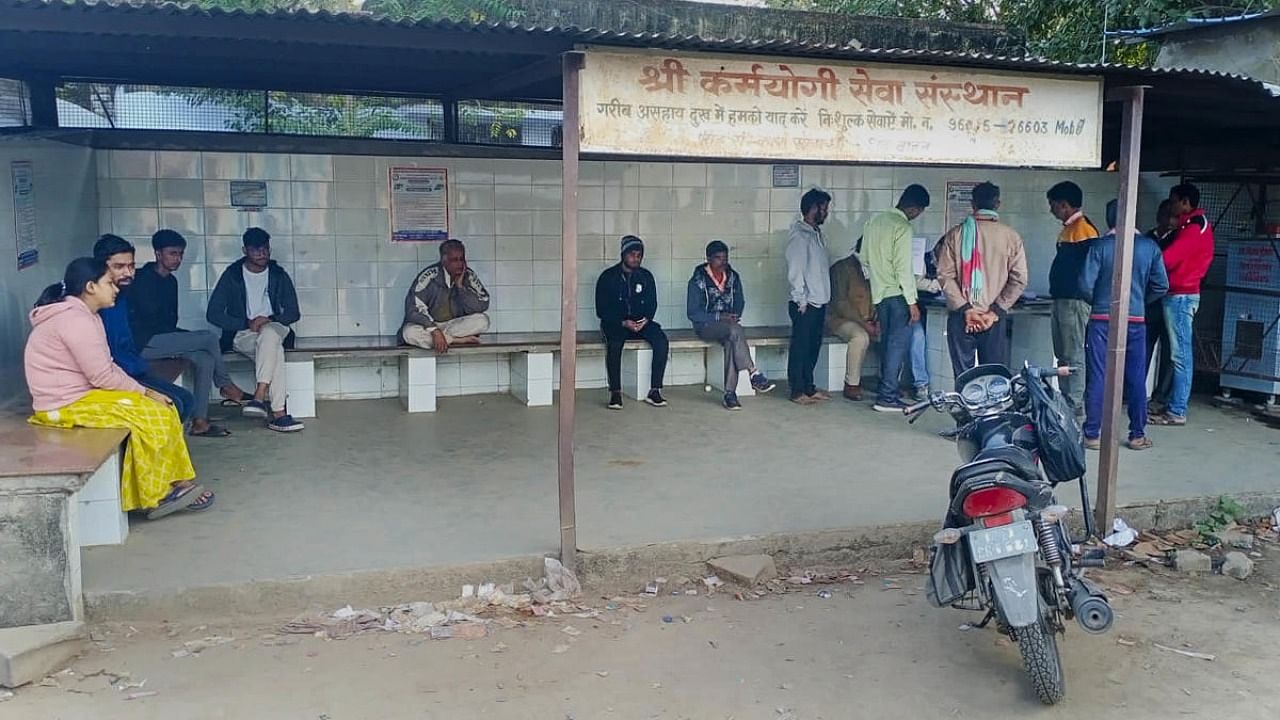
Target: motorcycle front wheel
<point x="1038" y="645"/>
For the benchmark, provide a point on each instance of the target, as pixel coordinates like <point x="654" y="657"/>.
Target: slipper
<point x="1168" y="420"/>
<point x="204" y="502"/>
<point x="229" y="403"/>
<point x="178" y="499"/>
<point x="213" y="431"/>
<point x="1141" y="443"/>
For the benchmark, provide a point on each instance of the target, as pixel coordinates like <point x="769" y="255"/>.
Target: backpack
<point x="1059" y="435"/>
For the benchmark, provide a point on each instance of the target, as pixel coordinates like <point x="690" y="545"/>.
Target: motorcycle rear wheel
<point x="1038" y="645"/>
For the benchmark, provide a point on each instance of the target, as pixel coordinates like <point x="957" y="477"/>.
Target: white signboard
<point x="643" y="103"/>
<point x="419" y="204"/>
<point x="24" y="212"/>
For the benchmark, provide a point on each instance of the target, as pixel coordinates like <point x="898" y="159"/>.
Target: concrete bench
<point x="532" y="363"/>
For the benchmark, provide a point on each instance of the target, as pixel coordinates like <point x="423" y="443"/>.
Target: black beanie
<point x="631" y="242"/>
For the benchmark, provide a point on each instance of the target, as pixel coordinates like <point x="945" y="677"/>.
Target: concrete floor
<point x="369" y="487"/>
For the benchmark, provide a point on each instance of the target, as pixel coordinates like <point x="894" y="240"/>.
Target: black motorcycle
<point x="1004" y="548"/>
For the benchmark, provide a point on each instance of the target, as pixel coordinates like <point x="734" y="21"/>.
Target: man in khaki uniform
<point x="852" y="318"/>
<point x="982" y="268"/>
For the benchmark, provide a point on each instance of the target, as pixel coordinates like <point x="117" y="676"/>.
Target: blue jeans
<point x="1179" y="316"/>
<point x="183" y="401"/>
<point x="919" y="361"/>
<point x="895" y="345"/>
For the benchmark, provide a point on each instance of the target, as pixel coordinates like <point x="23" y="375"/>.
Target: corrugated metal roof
<point x="574" y="36"/>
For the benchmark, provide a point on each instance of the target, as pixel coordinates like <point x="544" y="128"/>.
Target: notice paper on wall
<point x="959" y="201"/>
<point x="919" y="245"/>
<point x="24" y="212"/>
<point x="419" y="204"/>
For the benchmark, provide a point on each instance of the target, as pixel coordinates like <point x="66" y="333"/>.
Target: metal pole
<point x="571" y="132"/>
<point x="1118" y="326"/>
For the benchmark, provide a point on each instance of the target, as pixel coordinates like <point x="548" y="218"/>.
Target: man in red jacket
<point x="1187" y="258"/>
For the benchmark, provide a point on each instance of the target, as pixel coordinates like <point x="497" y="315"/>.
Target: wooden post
<point x="1118" y="326"/>
<point x="571" y="132"/>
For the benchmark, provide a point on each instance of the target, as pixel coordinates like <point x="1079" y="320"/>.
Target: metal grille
<point x="15" y="108"/>
<point x="152" y="107"/>
<point x="1233" y="208"/>
<point x="492" y="122"/>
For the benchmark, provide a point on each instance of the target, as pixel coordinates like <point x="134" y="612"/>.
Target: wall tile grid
<point x="329" y="220"/>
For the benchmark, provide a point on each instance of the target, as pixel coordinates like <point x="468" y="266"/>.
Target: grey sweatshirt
<point x="807" y="266"/>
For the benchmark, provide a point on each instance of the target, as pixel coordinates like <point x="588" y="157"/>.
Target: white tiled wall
<point x="328" y="216"/>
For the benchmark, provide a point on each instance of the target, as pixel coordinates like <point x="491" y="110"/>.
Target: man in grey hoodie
<point x="810" y="291"/>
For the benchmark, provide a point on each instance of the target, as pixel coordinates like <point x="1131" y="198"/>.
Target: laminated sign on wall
<point x="756" y="107"/>
<point x="419" y="204"/>
<point x="24" y="212"/>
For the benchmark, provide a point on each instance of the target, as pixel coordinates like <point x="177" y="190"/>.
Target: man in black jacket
<point x="626" y="301"/>
<point x="254" y="303"/>
<point x="153" y="318"/>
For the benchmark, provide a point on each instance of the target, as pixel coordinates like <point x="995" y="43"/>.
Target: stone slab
<point x="28" y="654"/>
<point x="748" y="570"/>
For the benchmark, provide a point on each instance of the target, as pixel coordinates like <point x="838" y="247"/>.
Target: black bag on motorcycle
<point x="1059" y="435"/>
<point x="950" y="574"/>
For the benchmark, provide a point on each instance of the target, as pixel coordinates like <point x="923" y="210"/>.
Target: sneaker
<point x="655" y="398"/>
<point x="1092" y="443"/>
<point x="285" y="424"/>
<point x="760" y="383"/>
<point x="731" y="401"/>
<point x="255" y="409"/>
<point x="921" y="393"/>
<point x="889" y="406"/>
<point x="615" y="401"/>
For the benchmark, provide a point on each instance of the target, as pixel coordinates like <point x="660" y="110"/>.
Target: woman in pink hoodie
<point x="74" y="383"/>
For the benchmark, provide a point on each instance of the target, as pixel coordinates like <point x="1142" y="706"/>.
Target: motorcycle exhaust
<point x="1093" y="612"/>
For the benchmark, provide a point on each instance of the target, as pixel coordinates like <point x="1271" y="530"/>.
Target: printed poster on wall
<point x="959" y="201"/>
<point x="734" y="106"/>
<point x="419" y="204"/>
<point x="24" y="212"/>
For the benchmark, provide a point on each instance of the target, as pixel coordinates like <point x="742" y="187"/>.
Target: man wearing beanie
<point x="714" y="304"/>
<point x="626" y="301"/>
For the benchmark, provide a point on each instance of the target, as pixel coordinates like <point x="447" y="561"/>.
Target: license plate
<point x="1002" y="542"/>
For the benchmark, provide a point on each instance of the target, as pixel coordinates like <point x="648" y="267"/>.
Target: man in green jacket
<point x="886" y="241"/>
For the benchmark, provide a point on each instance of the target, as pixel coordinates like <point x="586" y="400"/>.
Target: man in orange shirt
<point x="1070" y="318"/>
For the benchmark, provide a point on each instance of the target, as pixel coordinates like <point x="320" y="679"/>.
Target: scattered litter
<point x="468" y="591"/>
<point x="713" y="644"/>
<point x="500" y="647"/>
<point x="1188" y="653"/>
<point x="690" y="591"/>
<point x="571" y="631"/>
<point x="560" y="649"/>
<point x="140" y="695"/>
<point x="464" y="631"/>
<point x="965" y="627"/>
<point x="195" y="647"/>
<point x="824" y="594"/>
<point x="1126" y="642"/>
<point x="602" y="673"/>
<point x="558" y="583"/>
<point x="786" y="686"/>
<point x="1186" y="691"/>
<point x="655" y="686"/>
<point x="6" y="695"/>
<point x="713" y="581"/>
<point x="1122" y="535"/>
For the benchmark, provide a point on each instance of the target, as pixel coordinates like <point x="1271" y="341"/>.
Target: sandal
<point x="229" y="403"/>
<point x="204" y="502"/>
<point x="212" y="431"/>
<point x="1168" y="420"/>
<point x="179" y="498"/>
<point x="1141" y="443"/>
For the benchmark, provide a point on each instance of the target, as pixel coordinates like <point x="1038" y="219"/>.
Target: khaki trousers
<point x="857" y="341"/>
<point x="266" y="349"/>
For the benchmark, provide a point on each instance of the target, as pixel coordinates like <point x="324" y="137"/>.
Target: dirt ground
<point x="870" y="650"/>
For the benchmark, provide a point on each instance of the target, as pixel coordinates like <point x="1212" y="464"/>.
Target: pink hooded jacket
<point x="67" y="356"/>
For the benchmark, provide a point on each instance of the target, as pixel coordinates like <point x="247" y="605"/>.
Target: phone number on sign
<point x="1012" y="127"/>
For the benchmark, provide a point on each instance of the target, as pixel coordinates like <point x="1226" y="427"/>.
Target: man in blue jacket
<point x="714" y="304"/>
<point x="118" y="254"/>
<point x="626" y="303"/>
<point x="254" y="303"/>
<point x="1148" y="282"/>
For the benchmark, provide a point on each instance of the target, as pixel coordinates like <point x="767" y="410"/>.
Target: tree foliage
<point x="1066" y="30"/>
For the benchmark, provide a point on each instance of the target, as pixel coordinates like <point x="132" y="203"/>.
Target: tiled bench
<point x="59" y="491"/>
<point x="532" y="363"/>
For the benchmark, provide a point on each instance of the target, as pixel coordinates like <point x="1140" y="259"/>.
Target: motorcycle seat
<point x="1011" y="459"/>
